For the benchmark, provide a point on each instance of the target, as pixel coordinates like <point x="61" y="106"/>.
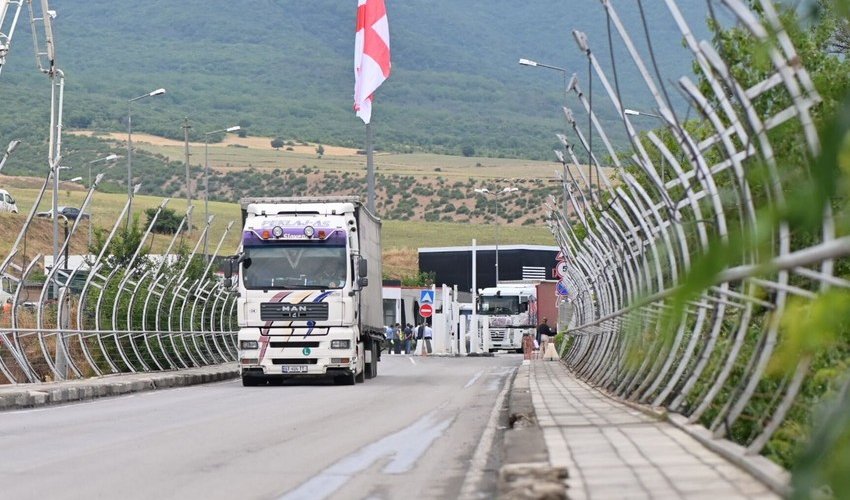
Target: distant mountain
<point x="284" y="68"/>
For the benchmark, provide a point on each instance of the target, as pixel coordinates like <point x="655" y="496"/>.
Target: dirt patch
<point x="262" y="143"/>
<point x="39" y="238"/>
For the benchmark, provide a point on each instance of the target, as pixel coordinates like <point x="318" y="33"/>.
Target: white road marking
<point x="479" y="459"/>
<point x="473" y="380"/>
<point x="412" y="360"/>
<point x="404" y="447"/>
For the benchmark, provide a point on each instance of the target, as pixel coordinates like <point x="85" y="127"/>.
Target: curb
<point x="20" y="396"/>
<point x="525" y="471"/>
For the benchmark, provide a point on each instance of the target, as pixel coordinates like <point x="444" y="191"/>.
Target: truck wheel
<point x="250" y="381"/>
<point x="371" y="370"/>
<point x="361" y="377"/>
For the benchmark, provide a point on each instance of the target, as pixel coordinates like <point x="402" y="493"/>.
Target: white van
<point x="7" y="203"/>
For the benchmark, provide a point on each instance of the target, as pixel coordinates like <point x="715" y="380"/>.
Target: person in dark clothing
<point x="542" y="330"/>
<point x="408" y="337"/>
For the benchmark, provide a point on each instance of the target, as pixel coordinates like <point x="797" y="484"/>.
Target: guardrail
<point x="696" y="267"/>
<point x="132" y="314"/>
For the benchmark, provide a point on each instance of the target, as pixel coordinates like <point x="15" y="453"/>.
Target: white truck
<point x="514" y="309"/>
<point x="308" y="282"/>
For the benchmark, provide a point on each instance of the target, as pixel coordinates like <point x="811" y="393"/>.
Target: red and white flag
<point x="371" y="54"/>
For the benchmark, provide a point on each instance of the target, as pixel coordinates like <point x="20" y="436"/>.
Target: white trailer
<point x="308" y="278"/>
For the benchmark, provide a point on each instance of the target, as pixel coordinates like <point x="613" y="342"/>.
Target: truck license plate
<point x="295" y="369"/>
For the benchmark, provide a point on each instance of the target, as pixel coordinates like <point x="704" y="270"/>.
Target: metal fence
<point x="111" y="313"/>
<point x="684" y="262"/>
<point x="140" y="313"/>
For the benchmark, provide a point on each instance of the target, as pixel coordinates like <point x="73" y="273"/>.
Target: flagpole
<point x="370" y="171"/>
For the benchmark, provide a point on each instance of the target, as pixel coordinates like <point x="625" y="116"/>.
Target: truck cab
<point x="302" y="275"/>
<point x="511" y="312"/>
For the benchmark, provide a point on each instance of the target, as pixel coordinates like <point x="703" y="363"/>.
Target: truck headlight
<point x="249" y="344"/>
<point x="340" y="344"/>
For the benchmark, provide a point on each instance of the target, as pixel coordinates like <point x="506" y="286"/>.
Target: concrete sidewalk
<point x="17" y="396"/>
<point x="614" y="450"/>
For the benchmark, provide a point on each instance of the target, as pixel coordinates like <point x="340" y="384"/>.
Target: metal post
<point x="207" y="181"/>
<point x="206" y="193"/>
<point x="129" y="160"/>
<point x="497" y="252"/>
<point x="186" y="128"/>
<point x="473" y="324"/>
<point x="130" y="191"/>
<point x="370" y="171"/>
<point x="13" y="145"/>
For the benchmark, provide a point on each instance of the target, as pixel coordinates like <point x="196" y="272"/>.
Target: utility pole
<point x="186" y="128"/>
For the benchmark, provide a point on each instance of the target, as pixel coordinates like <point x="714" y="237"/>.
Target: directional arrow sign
<point x="426" y="296"/>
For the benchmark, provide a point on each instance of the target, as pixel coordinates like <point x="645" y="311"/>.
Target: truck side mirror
<point x="228" y="282"/>
<point x="363" y="282"/>
<point x="226" y="267"/>
<point x="362" y="269"/>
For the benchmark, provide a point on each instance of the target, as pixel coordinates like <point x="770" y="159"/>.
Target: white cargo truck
<point x="511" y="311"/>
<point x="308" y="279"/>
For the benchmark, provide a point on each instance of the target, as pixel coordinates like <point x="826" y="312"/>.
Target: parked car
<point x="71" y="213"/>
<point x="7" y="203"/>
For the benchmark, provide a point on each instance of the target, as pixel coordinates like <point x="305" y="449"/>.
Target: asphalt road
<point x="425" y="428"/>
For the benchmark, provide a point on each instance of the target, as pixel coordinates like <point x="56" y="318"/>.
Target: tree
<point x="320" y="150"/>
<point x="468" y="150"/>
<point x="277" y="143"/>
<point x="168" y="221"/>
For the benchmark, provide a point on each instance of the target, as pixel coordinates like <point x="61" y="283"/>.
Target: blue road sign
<point x="426" y="296"/>
<point x="561" y="288"/>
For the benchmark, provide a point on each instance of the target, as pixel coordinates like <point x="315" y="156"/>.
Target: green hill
<point x="284" y="68"/>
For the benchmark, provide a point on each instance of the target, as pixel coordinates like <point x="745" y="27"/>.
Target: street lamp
<point x="13" y="145"/>
<point x="207" y="180"/>
<point x="535" y="64"/>
<point x="108" y="158"/>
<point x="634" y="112"/>
<point x="487" y="192"/>
<point x="130" y="102"/>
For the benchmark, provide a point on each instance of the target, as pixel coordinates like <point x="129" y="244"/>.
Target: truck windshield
<point x="499" y="305"/>
<point x="294" y="267"/>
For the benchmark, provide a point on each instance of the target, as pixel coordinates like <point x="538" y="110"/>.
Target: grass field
<point x="235" y="153"/>
<point x="400" y="238"/>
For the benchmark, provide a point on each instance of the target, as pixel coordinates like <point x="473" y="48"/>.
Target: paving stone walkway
<point x="612" y="450"/>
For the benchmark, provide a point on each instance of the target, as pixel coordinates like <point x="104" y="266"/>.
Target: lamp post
<point x="186" y="128"/>
<point x="634" y="112"/>
<point x="207" y="180"/>
<point x="130" y="102"/>
<point x="563" y="71"/>
<point x="13" y="145"/>
<point x="487" y="192"/>
<point x="107" y="158"/>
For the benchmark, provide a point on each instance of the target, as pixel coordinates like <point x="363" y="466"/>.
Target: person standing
<point x="424" y="333"/>
<point x="408" y="334"/>
<point x="399" y="337"/>
<point x="543" y="334"/>
<point x="391" y="339"/>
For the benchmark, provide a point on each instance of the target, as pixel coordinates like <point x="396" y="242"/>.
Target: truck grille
<point x="497" y="335"/>
<point x="294" y="343"/>
<point x="276" y="311"/>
